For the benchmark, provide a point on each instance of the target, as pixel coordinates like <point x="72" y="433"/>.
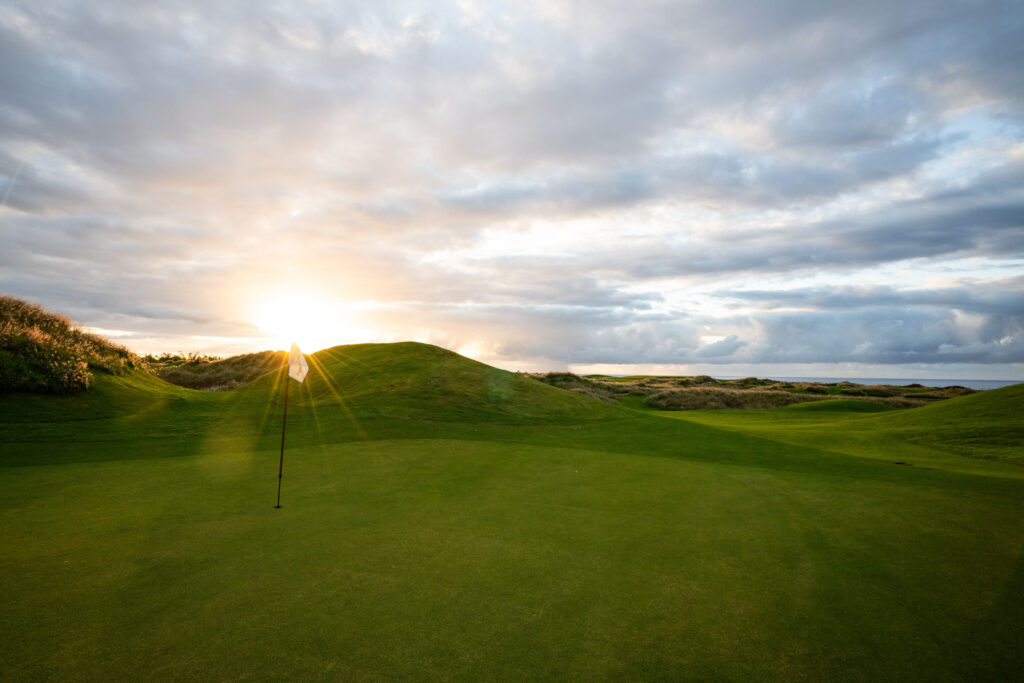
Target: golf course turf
<point x="443" y="519"/>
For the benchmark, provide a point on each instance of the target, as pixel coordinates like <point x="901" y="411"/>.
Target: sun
<point x="309" y="320"/>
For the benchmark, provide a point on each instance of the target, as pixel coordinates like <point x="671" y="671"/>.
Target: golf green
<point x="445" y="520"/>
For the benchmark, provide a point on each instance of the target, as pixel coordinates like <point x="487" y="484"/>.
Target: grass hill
<point x="447" y="520"/>
<point x="214" y="374"/>
<point x="414" y="381"/>
<point x="956" y="433"/>
<point x="44" y="352"/>
<point x="356" y="392"/>
<point x="988" y="424"/>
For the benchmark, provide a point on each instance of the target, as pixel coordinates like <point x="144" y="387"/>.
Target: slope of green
<point x="839" y="406"/>
<point x="413" y="381"/>
<point x="988" y="424"/>
<point x="979" y="432"/>
<point x="446" y="520"/>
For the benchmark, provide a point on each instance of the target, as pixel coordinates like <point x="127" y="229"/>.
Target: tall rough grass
<point x="581" y="385"/>
<point x="712" y="398"/>
<point x="214" y="374"/>
<point x="45" y="352"/>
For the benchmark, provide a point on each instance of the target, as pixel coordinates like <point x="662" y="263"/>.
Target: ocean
<point x="977" y="384"/>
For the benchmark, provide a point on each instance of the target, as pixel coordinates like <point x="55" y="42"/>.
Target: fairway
<point x="446" y="520"/>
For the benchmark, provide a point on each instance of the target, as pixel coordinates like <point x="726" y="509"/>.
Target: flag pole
<point x="284" y="423"/>
<point x="297" y="369"/>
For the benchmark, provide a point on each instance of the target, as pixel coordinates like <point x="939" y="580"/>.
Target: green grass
<point x="447" y="520"/>
<point x="979" y="433"/>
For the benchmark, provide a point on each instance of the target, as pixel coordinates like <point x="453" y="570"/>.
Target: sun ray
<point x="274" y="390"/>
<point x="318" y="367"/>
<point x="328" y="463"/>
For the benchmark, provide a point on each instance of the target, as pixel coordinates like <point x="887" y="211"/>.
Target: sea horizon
<point x="976" y="384"/>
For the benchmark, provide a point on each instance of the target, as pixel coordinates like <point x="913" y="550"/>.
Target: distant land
<point x="976" y="384"/>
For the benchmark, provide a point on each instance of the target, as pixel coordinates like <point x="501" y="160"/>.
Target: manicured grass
<point x="443" y="519"/>
<point x="982" y="432"/>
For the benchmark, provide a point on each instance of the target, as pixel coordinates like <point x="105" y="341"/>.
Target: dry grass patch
<point x="44" y="352"/>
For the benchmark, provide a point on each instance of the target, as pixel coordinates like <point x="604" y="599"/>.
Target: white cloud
<point x="540" y="182"/>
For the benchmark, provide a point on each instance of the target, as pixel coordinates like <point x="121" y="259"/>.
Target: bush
<point x="711" y="398"/>
<point x="581" y="385"/>
<point x="748" y="382"/>
<point x="43" y="352"/>
<point x="882" y="391"/>
<point x="209" y="373"/>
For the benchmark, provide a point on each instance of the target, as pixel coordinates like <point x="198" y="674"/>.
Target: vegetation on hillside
<point x="45" y="352"/>
<point x="710" y="398"/>
<point x="581" y="385"/>
<point x="210" y="373"/>
<point x="707" y="393"/>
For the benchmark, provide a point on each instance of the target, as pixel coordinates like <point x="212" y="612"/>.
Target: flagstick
<point x="284" y="423"/>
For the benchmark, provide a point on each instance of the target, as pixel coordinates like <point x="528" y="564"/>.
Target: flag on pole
<point x="297" y="368"/>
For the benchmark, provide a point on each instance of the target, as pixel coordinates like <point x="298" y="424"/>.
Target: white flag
<point x="297" y="367"/>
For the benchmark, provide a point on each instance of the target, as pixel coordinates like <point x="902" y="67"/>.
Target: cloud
<point x="546" y="180"/>
<point x="721" y="348"/>
<point x="990" y="297"/>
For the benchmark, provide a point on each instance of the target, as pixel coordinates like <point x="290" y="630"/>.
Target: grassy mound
<point x="987" y="424"/>
<point x="215" y="374"/>
<point x="992" y="407"/>
<point x="710" y="398"/>
<point x="44" y="352"/>
<point x="980" y="426"/>
<point x="414" y="381"/>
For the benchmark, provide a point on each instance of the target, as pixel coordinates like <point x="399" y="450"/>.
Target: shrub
<point x="712" y="398"/>
<point x="882" y="391"/>
<point x="748" y="382"/>
<point x="43" y="352"/>
<point x="209" y="373"/>
<point x="581" y="385"/>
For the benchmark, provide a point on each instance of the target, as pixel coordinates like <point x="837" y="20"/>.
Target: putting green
<point x="443" y="519"/>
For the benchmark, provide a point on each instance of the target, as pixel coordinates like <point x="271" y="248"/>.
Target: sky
<point x="788" y="187"/>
